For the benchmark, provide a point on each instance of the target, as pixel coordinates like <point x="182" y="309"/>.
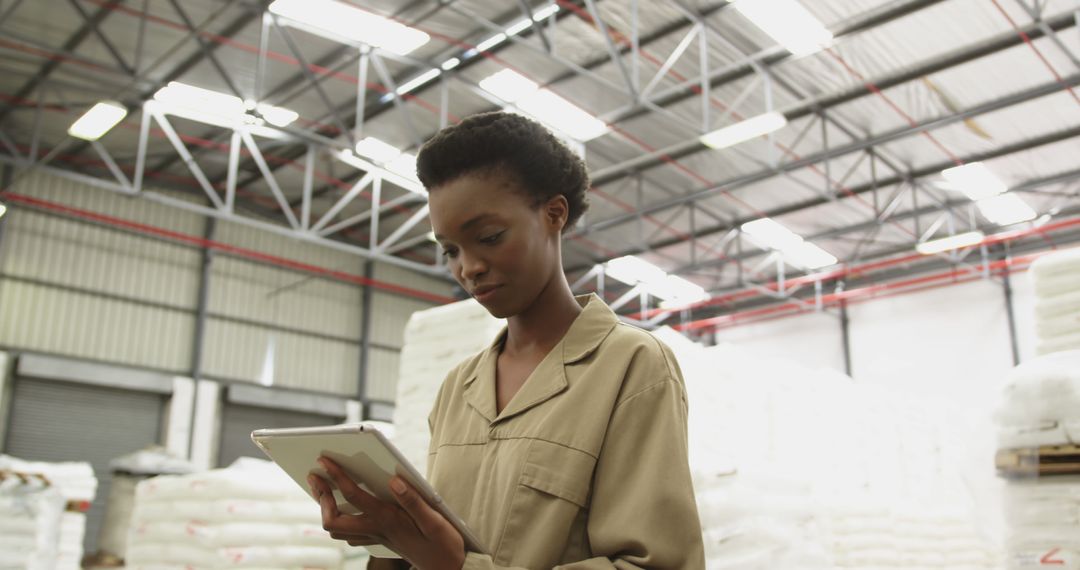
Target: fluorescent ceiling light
<point x="542" y="13"/>
<point x="491" y="42"/>
<point x="202" y="100"/>
<point x="560" y="114"/>
<point x="97" y="121"/>
<point x="393" y="172"/>
<point x="450" y="64"/>
<point x="508" y="85"/>
<point x="1006" y="209"/>
<point x="518" y="27"/>
<point x="676" y="290"/>
<point x="418" y="81"/>
<point x="404" y="165"/>
<point x="632" y="270"/>
<point x="217" y="108"/>
<point x="745" y="130"/>
<point x="377" y="150"/>
<point x="770" y="234"/>
<point x="788" y="23"/>
<point x="810" y="256"/>
<point x="345" y="21"/>
<point x="975" y="180"/>
<point x="543" y="105"/>
<point x="950" y="243"/>
<point x="277" y="116"/>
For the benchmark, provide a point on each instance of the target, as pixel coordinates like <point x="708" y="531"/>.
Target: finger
<point x="328" y="507"/>
<point x="351" y="538"/>
<point x="318" y="486"/>
<point x="352" y="492"/>
<point x="428" y="520"/>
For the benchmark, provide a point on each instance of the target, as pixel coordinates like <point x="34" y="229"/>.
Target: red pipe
<point x="188" y="239"/>
<point x="859" y="270"/>
<point x="957" y="275"/>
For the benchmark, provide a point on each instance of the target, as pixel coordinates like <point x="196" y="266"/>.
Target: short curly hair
<point x="507" y="142"/>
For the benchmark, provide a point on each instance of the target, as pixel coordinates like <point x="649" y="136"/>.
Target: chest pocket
<point x="548" y="505"/>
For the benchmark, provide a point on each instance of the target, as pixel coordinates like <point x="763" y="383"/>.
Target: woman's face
<point x="498" y="246"/>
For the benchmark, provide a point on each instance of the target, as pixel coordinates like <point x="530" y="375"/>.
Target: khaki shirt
<point x="586" y="467"/>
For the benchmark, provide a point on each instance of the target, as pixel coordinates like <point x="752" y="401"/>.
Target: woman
<point x="563" y="445"/>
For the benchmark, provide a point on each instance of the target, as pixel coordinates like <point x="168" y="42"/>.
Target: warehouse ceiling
<point x="903" y="90"/>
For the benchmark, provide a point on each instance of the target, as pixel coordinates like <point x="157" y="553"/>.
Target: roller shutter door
<point x="238" y="421"/>
<point x="62" y="421"/>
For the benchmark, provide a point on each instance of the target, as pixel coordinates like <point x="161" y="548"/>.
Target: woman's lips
<point x="483" y="293"/>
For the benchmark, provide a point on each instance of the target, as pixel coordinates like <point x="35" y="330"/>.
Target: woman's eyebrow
<point x="477" y="219"/>
<point x="472" y="222"/>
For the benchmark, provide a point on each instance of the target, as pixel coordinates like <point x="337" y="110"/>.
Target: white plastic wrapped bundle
<point x="806" y="468"/>
<point x="30" y="511"/>
<point x="436" y="340"/>
<point x="1057" y="308"/>
<point x="77" y="485"/>
<point x="128" y="471"/>
<point x="250" y="515"/>
<point x="1040" y="403"/>
<point x="1040" y="406"/>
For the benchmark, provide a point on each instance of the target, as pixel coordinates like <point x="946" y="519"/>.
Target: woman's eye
<point x="492" y="238"/>
<point x="451" y="253"/>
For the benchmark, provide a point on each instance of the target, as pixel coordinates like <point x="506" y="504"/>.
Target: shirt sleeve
<point x="642" y="513"/>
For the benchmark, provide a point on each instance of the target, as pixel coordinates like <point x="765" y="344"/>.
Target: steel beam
<point x="1061" y="178"/>
<point x="856" y="146"/>
<point x="50" y="66"/>
<point x="189" y="206"/>
<point x="996" y="44"/>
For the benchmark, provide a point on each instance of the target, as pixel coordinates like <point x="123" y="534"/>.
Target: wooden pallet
<point x="1038" y="461"/>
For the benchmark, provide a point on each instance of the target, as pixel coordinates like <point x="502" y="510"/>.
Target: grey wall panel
<point x="383" y="375"/>
<point x="238" y="421"/>
<point x="47" y="248"/>
<point x="256" y="292"/>
<point x="390" y="314"/>
<point x="238" y="351"/>
<point x="47" y="319"/>
<point x="59" y="421"/>
<point x="56" y="189"/>
<point x="86" y="290"/>
<point x="401" y="276"/>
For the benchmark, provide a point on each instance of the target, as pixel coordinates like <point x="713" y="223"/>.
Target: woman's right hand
<point x="408" y="526"/>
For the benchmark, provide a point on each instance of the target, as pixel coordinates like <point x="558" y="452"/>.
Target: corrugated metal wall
<point x="75" y="288"/>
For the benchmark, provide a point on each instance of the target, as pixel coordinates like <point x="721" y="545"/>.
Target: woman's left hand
<point x="408" y="526"/>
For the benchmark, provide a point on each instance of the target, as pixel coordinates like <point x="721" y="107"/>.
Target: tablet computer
<point x="366" y="456"/>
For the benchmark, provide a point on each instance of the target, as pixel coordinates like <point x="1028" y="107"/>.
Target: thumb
<point x="427" y="519"/>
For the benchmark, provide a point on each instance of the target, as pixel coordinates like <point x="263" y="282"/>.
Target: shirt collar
<point x="585" y="334"/>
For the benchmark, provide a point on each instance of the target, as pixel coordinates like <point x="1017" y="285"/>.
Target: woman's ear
<point x="556" y="211"/>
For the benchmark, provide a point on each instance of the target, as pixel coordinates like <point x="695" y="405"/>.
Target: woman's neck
<point x="540" y="327"/>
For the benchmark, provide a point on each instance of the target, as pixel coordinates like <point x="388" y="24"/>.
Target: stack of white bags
<point x="248" y="515"/>
<point x="30" y="511"/>
<point x="803" y="468"/>
<point x="436" y="340"/>
<point x="1057" y="307"/>
<point x="1040" y="407"/>
<point x="77" y="486"/>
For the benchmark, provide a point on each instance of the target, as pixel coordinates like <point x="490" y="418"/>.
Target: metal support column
<point x="1010" y="314"/>
<point x="6" y="176"/>
<point x="845" y="332"/>
<point x="365" y="335"/>
<point x="201" y="304"/>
